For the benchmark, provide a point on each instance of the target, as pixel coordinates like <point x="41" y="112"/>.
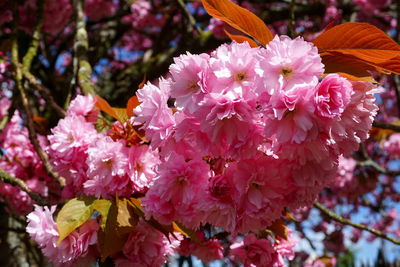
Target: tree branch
<point x="345" y="221"/>
<point x="81" y="48"/>
<point x="192" y="22"/>
<point x="25" y="103"/>
<point x="33" y="47"/>
<point x="44" y="92"/>
<point x="387" y="126"/>
<point x="7" y="178"/>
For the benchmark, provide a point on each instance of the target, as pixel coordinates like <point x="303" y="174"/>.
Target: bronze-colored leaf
<point x="239" y="18"/>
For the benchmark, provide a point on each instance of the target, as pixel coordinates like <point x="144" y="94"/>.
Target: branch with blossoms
<point x="208" y="156"/>
<point x="345" y="221"/>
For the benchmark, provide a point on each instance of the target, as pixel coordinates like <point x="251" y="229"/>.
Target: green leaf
<point x="103" y="207"/>
<point x="73" y="214"/>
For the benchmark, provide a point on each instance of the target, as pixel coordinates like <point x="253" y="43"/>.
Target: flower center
<point x="286" y="72"/>
<point x="240" y="76"/>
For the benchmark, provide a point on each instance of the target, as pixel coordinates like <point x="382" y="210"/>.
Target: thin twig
<point x="300" y="229"/>
<point x="81" y="48"/>
<point x="44" y="92"/>
<point x="345" y="221"/>
<point x="25" y="103"/>
<point x="387" y="126"/>
<point x="7" y="178"/>
<point x="192" y="21"/>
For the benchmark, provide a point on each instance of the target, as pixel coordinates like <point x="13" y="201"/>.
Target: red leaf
<point x="279" y="228"/>
<point x="133" y="102"/>
<point x="239" y="18"/>
<point x="361" y="45"/>
<point x="103" y="105"/>
<point x="119" y="114"/>
<point x="241" y="39"/>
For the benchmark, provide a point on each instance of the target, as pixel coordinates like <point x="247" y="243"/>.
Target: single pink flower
<point x="332" y="96"/>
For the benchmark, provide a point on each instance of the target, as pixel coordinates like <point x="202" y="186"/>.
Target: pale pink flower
<point x="41" y="226"/>
<point x="284" y="248"/>
<point x="71" y="133"/>
<point x="83" y="106"/>
<point x="107" y="167"/>
<point x="294" y="125"/>
<point x="142" y="163"/>
<point x="235" y="71"/>
<point x="357" y="118"/>
<point x="187" y="72"/>
<point x="232" y="126"/>
<point x="69" y="142"/>
<point x="289" y="64"/>
<point x="154" y="113"/>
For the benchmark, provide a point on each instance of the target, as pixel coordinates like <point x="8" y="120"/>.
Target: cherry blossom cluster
<point x="232" y="139"/>
<point x="92" y="162"/>
<point x="19" y="158"/>
<point x="252" y="131"/>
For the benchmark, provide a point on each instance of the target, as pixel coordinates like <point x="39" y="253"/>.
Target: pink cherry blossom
<point x="253" y="252"/>
<point x="205" y="250"/>
<point x="43" y="230"/>
<point x="154" y="113"/>
<point x="177" y="190"/>
<point x="333" y="95"/>
<point x="107" y="167"/>
<point x="83" y="106"/>
<point x="187" y="72"/>
<point x="290" y="64"/>
<point x="146" y="246"/>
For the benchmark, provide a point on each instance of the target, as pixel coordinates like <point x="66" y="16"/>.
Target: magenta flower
<point x="252" y="252"/>
<point x="146" y="247"/>
<point x="332" y="96"/>
<point x="176" y="192"/>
